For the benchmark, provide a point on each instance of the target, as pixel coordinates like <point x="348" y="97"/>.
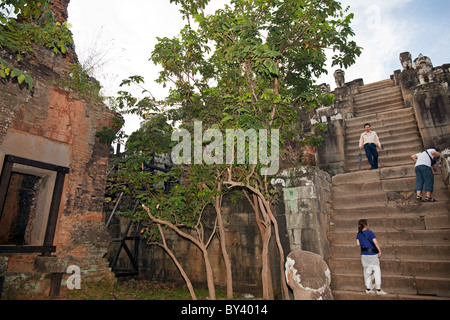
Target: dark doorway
<point x="16" y="222"/>
<point x="22" y="181"/>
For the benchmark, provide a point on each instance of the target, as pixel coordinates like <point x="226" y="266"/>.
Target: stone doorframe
<point x="16" y="164"/>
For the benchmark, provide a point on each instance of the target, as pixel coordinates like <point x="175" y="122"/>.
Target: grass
<point x="139" y="290"/>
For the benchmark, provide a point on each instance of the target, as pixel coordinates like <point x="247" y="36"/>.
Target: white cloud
<point x="382" y="36"/>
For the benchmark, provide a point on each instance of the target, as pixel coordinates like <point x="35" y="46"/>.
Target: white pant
<point x="372" y="271"/>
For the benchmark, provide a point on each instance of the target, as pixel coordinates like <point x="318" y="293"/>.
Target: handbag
<point x="433" y="161"/>
<point x="369" y="249"/>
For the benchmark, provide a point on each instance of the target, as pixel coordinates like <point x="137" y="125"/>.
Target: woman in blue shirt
<point x="370" y="254"/>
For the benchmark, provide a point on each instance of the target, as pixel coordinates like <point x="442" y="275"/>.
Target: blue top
<point x="365" y="243"/>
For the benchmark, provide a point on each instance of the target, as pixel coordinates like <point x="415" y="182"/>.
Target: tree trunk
<point x="266" y="209"/>
<point x="209" y="274"/>
<point x="180" y="268"/>
<point x="265" y="229"/>
<point x="200" y="245"/>
<point x="284" y="288"/>
<point x="226" y="258"/>
<point x="266" y="273"/>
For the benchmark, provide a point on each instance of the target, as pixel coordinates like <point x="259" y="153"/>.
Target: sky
<point x="122" y="34"/>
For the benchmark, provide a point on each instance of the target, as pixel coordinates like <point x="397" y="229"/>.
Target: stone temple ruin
<point x="52" y="179"/>
<point x="54" y="171"/>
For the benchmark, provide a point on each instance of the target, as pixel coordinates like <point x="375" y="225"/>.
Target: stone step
<point x="417" y="215"/>
<point x="380" y="109"/>
<point x="393" y="126"/>
<point x="387" y="156"/>
<point x="428" y="251"/>
<point x="378" y="105"/>
<point x="378" y="119"/>
<point x="390" y="234"/>
<point x="356" y="188"/>
<point x="405" y="267"/>
<point x="376" y="175"/>
<point x="354" y="167"/>
<point x="387" y="92"/>
<point x="410" y="285"/>
<point x="401" y="137"/>
<point x="414" y="221"/>
<point x="361" y="295"/>
<point x="360" y="102"/>
<point x="377" y="110"/>
<point x="356" y="177"/>
<point x="408" y="184"/>
<point x="381" y="199"/>
<point x="358" y="201"/>
<point x="386" y="159"/>
<point x="424" y="209"/>
<point x="404" y="134"/>
<point x="375" y="86"/>
<point x="404" y="122"/>
<point x="406" y="143"/>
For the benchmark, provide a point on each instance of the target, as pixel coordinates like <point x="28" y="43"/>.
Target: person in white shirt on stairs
<point x="424" y="174"/>
<point x="370" y="141"/>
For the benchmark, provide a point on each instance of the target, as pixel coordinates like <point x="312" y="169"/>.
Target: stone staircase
<point x="414" y="236"/>
<point x="381" y="104"/>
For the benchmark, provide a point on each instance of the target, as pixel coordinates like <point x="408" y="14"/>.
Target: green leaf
<point x="226" y="119"/>
<point x="15" y="73"/>
<point x="29" y="81"/>
<point x="21" y="78"/>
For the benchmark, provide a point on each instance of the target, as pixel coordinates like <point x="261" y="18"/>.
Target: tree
<point x="182" y="209"/>
<point x="258" y="76"/>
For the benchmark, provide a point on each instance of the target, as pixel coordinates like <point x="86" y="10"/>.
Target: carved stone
<point x="339" y="76"/>
<point x="406" y="60"/>
<point x="424" y="69"/>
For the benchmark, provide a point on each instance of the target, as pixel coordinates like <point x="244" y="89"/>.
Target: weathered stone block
<point x="3" y="265"/>
<point x="50" y="265"/>
<point x="308" y="275"/>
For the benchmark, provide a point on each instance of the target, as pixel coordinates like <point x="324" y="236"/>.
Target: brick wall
<point x="56" y="126"/>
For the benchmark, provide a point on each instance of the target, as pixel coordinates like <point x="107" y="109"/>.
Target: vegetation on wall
<point x="24" y="24"/>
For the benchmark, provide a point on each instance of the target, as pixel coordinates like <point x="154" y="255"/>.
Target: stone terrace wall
<point x="306" y="194"/>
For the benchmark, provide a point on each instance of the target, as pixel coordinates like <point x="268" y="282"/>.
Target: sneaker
<point x="381" y="292"/>
<point x="370" y="291"/>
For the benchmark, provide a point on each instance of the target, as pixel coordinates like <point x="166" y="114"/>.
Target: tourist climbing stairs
<point x="414" y="236"/>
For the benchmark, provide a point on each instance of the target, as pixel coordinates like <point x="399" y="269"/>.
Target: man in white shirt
<point x="424" y="173"/>
<point x="370" y="141"/>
